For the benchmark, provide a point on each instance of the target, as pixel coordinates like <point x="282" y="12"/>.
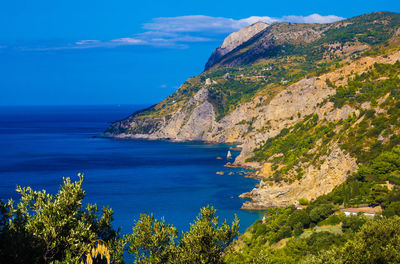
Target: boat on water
<point x="229" y="155"/>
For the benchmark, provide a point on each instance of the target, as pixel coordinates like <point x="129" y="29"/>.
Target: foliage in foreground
<point x="153" y="241"/>
<point x="45" y="228"/>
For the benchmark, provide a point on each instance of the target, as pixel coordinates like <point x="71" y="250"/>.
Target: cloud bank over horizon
<point x="179" y="32"/>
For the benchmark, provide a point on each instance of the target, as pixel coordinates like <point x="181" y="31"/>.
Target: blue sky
<point x="130" y="52"/>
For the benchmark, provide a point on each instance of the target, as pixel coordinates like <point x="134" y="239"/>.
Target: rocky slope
<point x="285" y="93"/>
<point x="233" y="41"/>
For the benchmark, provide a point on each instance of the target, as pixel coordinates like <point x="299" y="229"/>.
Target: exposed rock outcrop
<point x="233" y="41"/>
<point x="315" y="182"/>
<point x="191" y="122"/>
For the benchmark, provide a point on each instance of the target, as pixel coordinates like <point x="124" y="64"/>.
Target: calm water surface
<point x="40" y="145"/>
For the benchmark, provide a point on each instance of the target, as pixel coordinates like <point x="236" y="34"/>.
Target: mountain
<point x="233" y="41"/>
<point x="308" y="104"/>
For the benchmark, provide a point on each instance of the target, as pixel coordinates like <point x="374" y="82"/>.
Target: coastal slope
<point x="296" y="98"/>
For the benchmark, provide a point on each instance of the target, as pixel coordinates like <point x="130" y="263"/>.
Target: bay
<point x="41" y="144"/>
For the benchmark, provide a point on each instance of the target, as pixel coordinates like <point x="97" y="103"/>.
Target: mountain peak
<point x="234" y="40"/>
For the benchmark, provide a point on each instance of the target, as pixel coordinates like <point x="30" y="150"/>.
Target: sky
<point x="74" y="52"/>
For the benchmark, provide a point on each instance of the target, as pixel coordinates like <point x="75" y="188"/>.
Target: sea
<point x="39" y="145"/>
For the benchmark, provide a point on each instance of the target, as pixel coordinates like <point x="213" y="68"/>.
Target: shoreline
<point x="145" y="137"/>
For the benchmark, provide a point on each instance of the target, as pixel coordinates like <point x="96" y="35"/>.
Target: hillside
<point x="307" y="103"/>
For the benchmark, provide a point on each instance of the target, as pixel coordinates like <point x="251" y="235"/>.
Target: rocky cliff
<point x="233" y="41"/>
<point x="288" y="94"/>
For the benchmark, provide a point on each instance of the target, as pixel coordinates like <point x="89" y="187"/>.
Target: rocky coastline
<point x="191" y="114"/>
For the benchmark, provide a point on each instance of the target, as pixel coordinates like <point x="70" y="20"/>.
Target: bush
<point x="299" y="216"/>
<point x="392" y="210"/>
<point x="320" y="212"/>
<point x="283" y="232"/>
<point x="377" y="242"/>
<point x="303" y="201"/>
<point x="259" y="228"/>
<point x="298" y="229"/>
<point x="353" y="223"/>
<point x="55" y="228"/>
<point x="332" y="220"/>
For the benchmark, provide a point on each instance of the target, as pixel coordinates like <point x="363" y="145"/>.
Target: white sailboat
<point x="229" y="156"/>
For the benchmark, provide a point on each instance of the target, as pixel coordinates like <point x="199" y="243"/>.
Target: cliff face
<point x="191" y="122"/>
<point x="233" y="41"/>
<point x="284" y="93"/>
<point x="334" y="170"/>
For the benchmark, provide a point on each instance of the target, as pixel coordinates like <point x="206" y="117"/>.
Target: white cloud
<point x="196" y="23"/>
<point x="201" y="23"/>
<point x="87" y="42"/>
<point x="314" y="18"/>
<point x="128" y="41"/>
<point x="179" y="32"/>
<point x="149" y="38"/>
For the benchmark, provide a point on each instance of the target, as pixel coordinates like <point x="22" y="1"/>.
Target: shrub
<point x="320" y="212"/>
<point x="353" y="223"/>
<point x="304" y="201"/>
<point x="392" y="210"/>
<point x="299" y="216"/>
<point x="298" y="229"/>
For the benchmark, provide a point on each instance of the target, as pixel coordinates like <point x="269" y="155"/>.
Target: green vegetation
<point x="361" y="135"/>
<point x="153" y="241"/>
<point x="45" y="228"/>
<point x="373" y="28"/>
<point x="322" y="234"/>
<point x="380" y="87"/>
<point x="292" y="143"/>
<point x="289" y="62"/>
<point x="236" y="85"/>
<point x="225" y="96"/>
<point x="376" y="242"/>
<point x="368" y="185"/>
<point x="371" y="136"/>
<point x="369" y="86"/>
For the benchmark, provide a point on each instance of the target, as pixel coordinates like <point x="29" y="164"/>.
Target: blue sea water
<point x="41" y="144"/>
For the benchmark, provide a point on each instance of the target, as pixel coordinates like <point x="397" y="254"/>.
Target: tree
<point x="304" y="201"/>
<point x="206" y="241"/>
<point x="298" y="229"/>
<point x="377" y="241"/>
<point x="392" y="209"/>
<point x="353" y="223"/>
<point x="320" y="212"/>
<point x="55" y="228"/>
<point x="152" y="241"/>
<point x="299" y="216"/>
